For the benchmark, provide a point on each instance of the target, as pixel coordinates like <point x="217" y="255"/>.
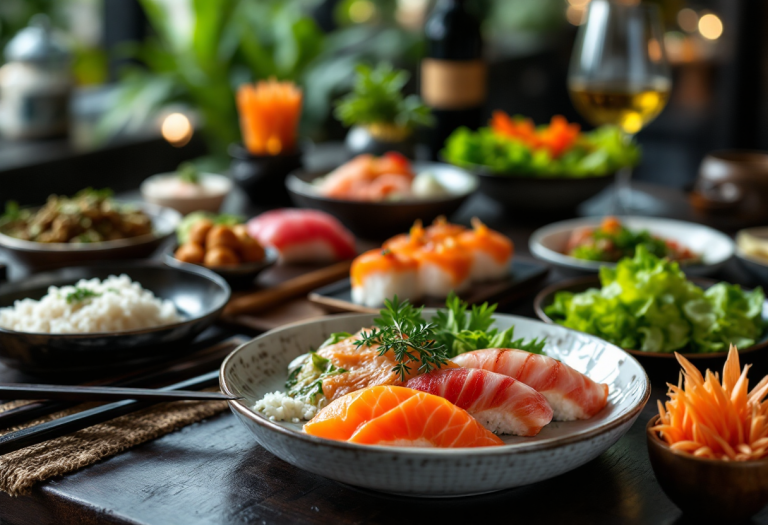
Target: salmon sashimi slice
<point x="343" y="417"/>
<point x="364" y="367"/>
<point x="422" y="420"/>
<point x="571" y="394"/>
<point x="502" y="404"/>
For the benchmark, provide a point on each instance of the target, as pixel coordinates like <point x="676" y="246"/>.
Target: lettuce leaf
<point x="646" y="303"/>
<point x="597" y="153"/>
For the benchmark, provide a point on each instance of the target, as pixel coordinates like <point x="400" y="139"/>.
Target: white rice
<point x="117" y="304"/>
<point x="279" y="406"/>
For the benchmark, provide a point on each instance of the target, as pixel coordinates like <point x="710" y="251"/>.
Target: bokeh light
<point x="177" y="129"/>
<point x="576" y="15"/>
<point x="688" y="20"/>
<point x="710" y="26"/>
<point x="361" y="11"/>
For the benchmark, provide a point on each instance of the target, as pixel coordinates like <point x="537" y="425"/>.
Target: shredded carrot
<point x="557" y="138"/>
<point x="713" y="419"/>
<point x="269" y="116"/>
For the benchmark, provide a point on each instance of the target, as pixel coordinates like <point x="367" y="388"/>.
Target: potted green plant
<point x="381" y="118"/>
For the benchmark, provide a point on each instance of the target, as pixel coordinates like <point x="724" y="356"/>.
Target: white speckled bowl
<point x="716" y="248"/>
<point x="259" y="366"/>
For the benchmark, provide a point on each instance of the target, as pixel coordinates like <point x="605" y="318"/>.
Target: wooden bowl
<point x="663" y="367"/>
<point x="711" y="490"/>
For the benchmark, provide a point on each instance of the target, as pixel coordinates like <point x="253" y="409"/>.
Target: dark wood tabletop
<point x="213" y="472"/>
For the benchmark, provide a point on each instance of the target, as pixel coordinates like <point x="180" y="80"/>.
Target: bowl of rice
<point x="106" y="315"/>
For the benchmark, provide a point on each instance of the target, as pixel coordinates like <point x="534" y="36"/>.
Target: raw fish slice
<point x="343" y="417"/>
<point x="490" y="250"/>
<point x="365" y="367"/>
<point x="379" y="274"/>
<point x="424" y="420"/>
<point x="441" y="229"/>
<point x="303" y="235"/>
<point x="571" y="394"/>
<point x="443" y="267"/>
<point x="500" y="403"/>
<point x="352" y="180"/>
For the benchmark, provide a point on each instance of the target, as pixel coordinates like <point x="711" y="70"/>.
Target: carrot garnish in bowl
<point x="715" y="419"/>
<point x="269" y="116"/>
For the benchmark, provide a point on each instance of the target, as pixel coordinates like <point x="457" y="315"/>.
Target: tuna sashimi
<point x="502" y="404"/>
<point x="571" y="394"/>
<point x="364" y="367"/>
<point x="303" y="235"/>
<point x="401" y="417"/>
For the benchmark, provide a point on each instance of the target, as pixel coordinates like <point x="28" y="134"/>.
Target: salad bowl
<point x="660" y="366"/>
<point x="259" y="367"/>
<point x="716" y="248"/>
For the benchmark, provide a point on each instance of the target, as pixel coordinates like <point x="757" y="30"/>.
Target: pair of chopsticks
<point x="13" y="391"/>
<point x="65" y="425"/>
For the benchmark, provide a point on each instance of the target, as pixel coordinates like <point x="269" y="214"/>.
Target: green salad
<point x="646" y="303"/>
<point x="520" y="149"/>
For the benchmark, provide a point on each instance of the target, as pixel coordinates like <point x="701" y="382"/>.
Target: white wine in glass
<point x="619" y="73"/>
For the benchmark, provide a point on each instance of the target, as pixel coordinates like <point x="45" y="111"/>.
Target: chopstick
<point x="203" y="360"/>
<point x="66" y="425"/>
<point x="102" y="393"/>
<point x="289" y="289"/>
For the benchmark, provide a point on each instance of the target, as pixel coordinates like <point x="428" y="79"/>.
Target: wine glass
<point x="619" y="75"/>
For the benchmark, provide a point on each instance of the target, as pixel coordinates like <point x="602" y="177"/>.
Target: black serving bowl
<point x="530" y="195"/>
<point x="199" y="295"/>
<point x="41" y="255"/>
<point x="383" y="219"/>
<point x="663" y="367"/>
<point x="262" y="177"/>
<point x="238" y="277"/>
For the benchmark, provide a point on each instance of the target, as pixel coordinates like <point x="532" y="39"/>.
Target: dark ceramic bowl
<point x="38" y="255"/>
<point x="238" y="277"/>
<point x="199" y="295"/>
<point x="662" y="367"/>
<point x="710" y="490"/>
<point x="540" y="195"/>
<point x="380" y="220"/>
<point x="262" y="177"/>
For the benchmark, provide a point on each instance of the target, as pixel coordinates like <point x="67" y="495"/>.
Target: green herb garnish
<point x="402" y="331"/>
<point x="377" y="98"/>
<point x="80" y="294"/>
<point x="188" y="172"/>
<point x="307" y="380"/>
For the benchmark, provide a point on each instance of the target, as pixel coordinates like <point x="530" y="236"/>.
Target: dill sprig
<point x="80" y="294"/>
<point x="402" y="330"/>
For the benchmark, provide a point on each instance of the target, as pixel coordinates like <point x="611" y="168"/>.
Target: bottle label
<point x="452" y="84"/>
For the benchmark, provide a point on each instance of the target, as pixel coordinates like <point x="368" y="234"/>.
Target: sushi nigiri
<point x="500" y="403"/>
<point x="364" y="367"/>
<point x="441" y="229"/>
<point x="443" y="267"/>
<point x="303" y="235"/>
<point x="399" y="417"/>
<point x="380" y="274"/>
<point x="571" y="394"/>
<point x="490" y="251"/>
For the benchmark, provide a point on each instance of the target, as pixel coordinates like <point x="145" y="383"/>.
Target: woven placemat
<point x="20" y="470"/>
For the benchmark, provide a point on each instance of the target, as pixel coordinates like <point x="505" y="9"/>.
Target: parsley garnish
<point x="307" y="380"/>
<point x="402" y="330"/>
<point x="81" y="294"/>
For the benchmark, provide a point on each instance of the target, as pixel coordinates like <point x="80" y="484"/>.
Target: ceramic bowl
<point x="39" y="255"/>
<point x="217" y="187"/>
<point x="661" y="367"/>
<point x="551" y="196"/>
<point x="260" y="366"/>
<point x="710" y="490"/>
<point x="198" y="294"/>
<point x="380" y="220"/>
<point x="752" y="251"/>
<point x="716" y="248"/>
<point x="240" y="276"/>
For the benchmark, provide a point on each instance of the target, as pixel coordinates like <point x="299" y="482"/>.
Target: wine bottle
<point x="453" y="72"/>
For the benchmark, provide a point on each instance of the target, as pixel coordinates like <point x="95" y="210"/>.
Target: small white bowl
<point x="217" y="188"/>
<point x="754" y="238"/>
<point x="716" y="248"/>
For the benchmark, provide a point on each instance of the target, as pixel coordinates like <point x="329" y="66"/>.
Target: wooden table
<point x="214" y="473"/>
